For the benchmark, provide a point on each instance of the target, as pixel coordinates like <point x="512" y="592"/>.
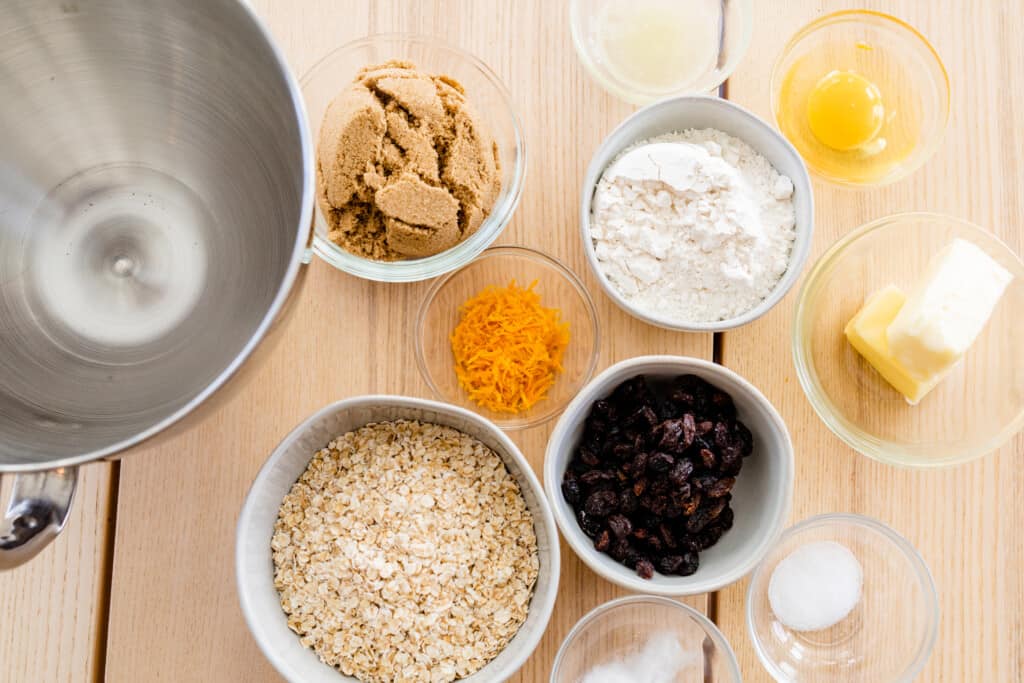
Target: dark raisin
<point x="704" y="427"/>
<point x="602" y="541"/>
<point x="690" y="506"/>
<point x="669" y="564"/>
<point x="708" y="458"/>
<point x="571" y="489"/>
<point x="705" y="481"/>
<point x="660" y="462"/>
<point x="628" y="502"/>
<point x="589" y="457"/>
<point x="621" y="549"/>
<point x="697" y="521"/>
<point x="728" y="441"/>
<point x="644" y="568"/>
<point x="683" y="493"/>
<point x="726" y="519"/>
<point x="603" y="409"/>
<point x="622" y="451"/>
<point x="746" y="439"/>
<point x="681" y="471"/>
<point x="731" y="464"/>
<point x="594" y="477"/>
<point x="591" y="526"/>
<point x="640" y="463"/>
<point x="670" y="433"/>
<point x="666" y="535"/>
<point x="601" y="503"/>
<point x="720" y="487"/>
<point x="689" y="566"/>
<point x="710" y="536"/>
<point x="620" y="525"/>
<point x="722" y="404"/>
<point x="715" y="507"/>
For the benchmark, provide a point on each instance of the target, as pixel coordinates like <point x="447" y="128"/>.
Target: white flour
<point x="693" y="226"/>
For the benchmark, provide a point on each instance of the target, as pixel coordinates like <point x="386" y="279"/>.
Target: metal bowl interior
<point x="157" y="189"/>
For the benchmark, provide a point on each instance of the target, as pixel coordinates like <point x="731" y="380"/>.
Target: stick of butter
<point x="914" y="340"/>
<point x="946" y="310"/>
<point x="866" y="334"/>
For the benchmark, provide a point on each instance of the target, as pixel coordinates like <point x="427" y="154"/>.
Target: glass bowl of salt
<point x="842" y="597"/>
<point x="645" y="639"/>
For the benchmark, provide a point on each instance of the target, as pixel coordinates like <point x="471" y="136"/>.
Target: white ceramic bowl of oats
<point x="347" y="582"/>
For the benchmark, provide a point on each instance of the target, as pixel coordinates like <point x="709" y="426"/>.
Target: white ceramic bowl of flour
<point x="680" y="114"/>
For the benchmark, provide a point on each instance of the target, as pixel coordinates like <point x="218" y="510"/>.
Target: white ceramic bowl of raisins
<point x="708" y="453"/>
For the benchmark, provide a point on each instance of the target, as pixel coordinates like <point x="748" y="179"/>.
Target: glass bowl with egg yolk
<point x="862" y="96"/>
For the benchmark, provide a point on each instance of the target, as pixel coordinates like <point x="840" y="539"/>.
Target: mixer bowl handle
<point x="36" y="513"/>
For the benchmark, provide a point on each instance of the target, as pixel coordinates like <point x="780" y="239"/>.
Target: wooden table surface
<point x="140" y="586"/>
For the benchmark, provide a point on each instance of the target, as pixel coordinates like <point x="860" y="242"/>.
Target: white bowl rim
<point x="909" y="551"/>
<point x="710" y="628"/>
<point x="667" y="586"/>
<point x="801" y="245"/>
<point x="545" y="608"/>
<point x="426" y="268"/>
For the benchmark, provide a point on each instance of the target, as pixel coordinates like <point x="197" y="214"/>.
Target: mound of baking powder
<point x="693" y="226"/>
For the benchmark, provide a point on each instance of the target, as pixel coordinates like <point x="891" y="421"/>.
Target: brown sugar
<point x="405" y="166"/>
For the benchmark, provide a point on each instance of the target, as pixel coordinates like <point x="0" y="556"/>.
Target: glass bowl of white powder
<point x="645" y="639"/>
<point x="696" y="215"/>
<point x="812" y="619"/>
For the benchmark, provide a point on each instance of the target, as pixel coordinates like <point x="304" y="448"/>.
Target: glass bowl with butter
<point x="908" y="340"/>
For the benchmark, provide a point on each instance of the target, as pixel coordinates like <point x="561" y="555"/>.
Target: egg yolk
<point x="844" y="110"/>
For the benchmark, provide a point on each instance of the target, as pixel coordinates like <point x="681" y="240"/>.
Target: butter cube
<point x="866" y="332"/>
<point x="947" y="309"/>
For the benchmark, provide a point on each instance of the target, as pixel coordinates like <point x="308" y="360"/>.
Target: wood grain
<point x="966" y="521"/>
<point x="54" y="608"/>
<point x="174" y="610"/>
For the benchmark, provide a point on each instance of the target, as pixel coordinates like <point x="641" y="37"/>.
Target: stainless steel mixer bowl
<point x="155" y="199"/>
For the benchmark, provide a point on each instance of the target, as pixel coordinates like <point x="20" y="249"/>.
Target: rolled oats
<point x="405" y="553"/>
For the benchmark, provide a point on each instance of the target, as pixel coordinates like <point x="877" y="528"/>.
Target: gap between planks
<point x="107" y="584"/>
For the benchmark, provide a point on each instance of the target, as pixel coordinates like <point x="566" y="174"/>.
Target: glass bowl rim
<point x="711" y="630"/>
<point x="910" y="553"/>
<point x="806" y="30"/>
<point x="536" y="255"/>
<point x="415" y="270"/>
<point x="874" y="448"/>
<point x="639" y="97"/>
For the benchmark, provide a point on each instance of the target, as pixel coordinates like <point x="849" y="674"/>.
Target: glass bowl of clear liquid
<point x="645" y="50"/>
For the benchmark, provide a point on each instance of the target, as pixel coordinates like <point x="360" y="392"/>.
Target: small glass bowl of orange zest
<point x="469" y="319"/>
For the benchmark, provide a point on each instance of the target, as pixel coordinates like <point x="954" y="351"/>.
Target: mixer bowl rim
<point x="297" y="260"/>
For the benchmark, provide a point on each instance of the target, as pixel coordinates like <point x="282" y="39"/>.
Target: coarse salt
<point x="816" y="586"/>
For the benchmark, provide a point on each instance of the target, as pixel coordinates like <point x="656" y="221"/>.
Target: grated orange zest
<point x="508" y="348"/>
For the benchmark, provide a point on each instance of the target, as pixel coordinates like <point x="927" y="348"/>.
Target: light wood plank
<point x="174" y="611"/>
<point x="966" y="521"/>
<point x="54" y="606"/>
